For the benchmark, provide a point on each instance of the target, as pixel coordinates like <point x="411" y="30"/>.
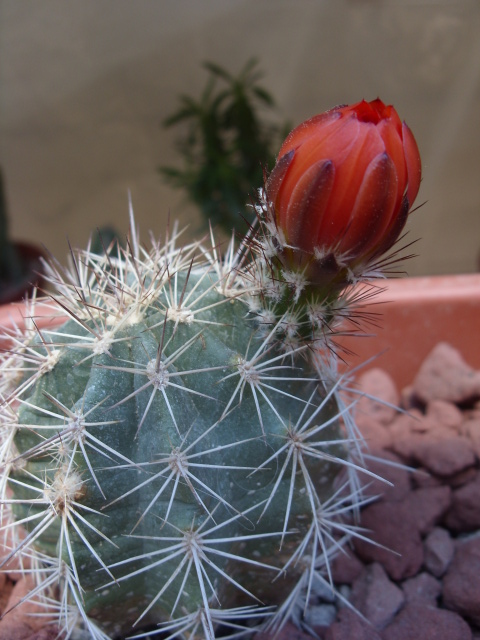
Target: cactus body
<point x="174" y="449"/>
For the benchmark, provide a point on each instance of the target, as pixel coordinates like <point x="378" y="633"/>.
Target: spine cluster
<point x="177" y="448"/>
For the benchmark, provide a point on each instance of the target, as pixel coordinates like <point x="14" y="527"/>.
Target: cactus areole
<point x="178" y="451"/>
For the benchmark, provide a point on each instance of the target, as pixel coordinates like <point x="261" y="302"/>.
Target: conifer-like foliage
<point x="226" y="145"/>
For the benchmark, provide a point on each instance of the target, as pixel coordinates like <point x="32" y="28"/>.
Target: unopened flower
<point x="343" y="185"/>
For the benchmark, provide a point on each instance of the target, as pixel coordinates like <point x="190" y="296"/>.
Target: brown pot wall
<point x="13" y="315"/>
<point x="415" y="315"/>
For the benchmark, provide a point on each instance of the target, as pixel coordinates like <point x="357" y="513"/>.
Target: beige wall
<point x="85" y="83"/>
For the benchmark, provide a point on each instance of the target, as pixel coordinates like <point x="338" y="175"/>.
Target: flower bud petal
<point x="414" y="164"/>
<point x="278" y="173"/>
<point x="373" y="207"/>
<point x="343" y="185"/>
<point x="312" y="191"/>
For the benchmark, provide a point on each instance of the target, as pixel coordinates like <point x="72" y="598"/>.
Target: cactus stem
<point x="59" y="496"/>
<point x="195" y="549"/>
<point x="255" y="373"/>
<point x="74" y="431"/>
<point x="229" y="618"/>
<point x="159" y="374"/>
<point x="178" y="464"/>
<point x="182" y="309"/>
<point x="29" y="360"/>
<point x="130" y="441"/>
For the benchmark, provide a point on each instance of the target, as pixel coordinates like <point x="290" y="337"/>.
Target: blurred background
<point x="85" y="87"/>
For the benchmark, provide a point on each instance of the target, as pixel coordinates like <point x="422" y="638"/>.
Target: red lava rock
<point x="407" y="398"/>
<point x="461" y="478"/>
<point x="445" y="375"/>
<point x="345" y="567"/>
<point x="21" y="622"/>
<point x="376" y="435"/>
<point x="350" y="626"/>
<point x="422" y="478"/>
<point x="3" y="580"/>
<point x="15" y="567"/>
<point x="421" y="622"/>
<point x="445" y="458"/>
<point x="5" y="592"/>
<point x="461" y="583"/>
<point x="464" y="514"/>
<point x="471" y="429"/>
<point x="47" y="633"/>
<point x="445" y="414"/>
<point x="422" y="589"/>
<point x="412" y="422"/>
<point x="408" y="431"/>
<point x="438" y="551"/>
<point x="288" y="632"/>
<point x="428" y="505"/>
<point x="375" y="596"/>
<point x="377" y="384"/>
<point x="395" y="473"/>
<point x="474" y="412"/>
<point x="392" y="525"/>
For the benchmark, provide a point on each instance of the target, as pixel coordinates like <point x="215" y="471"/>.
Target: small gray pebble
<point x="320" y="615"/>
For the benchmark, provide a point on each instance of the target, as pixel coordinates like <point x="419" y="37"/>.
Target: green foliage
<point x="226" y="146"/>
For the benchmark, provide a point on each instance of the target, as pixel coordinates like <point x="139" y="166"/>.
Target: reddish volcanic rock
<point x="346" y="567"/>
<point x="22" y="620"/>
<point x="376" y="597"/>
<point x="461" y="583"/>
<point x="438" y="551"/>
<point x="377" y="437"/>
<point x="389" y="468"/>
<point x="422" y="589"/>
<point x="445" y="375"/>
<point x="408" y="431"/>
<point x="471" y="429"/>
<point x="379" y="384"/>
<point x="47" y="633"/>
<point x="422" y="478"/>
<point x="392" y="525"/>
<point x="422" y="513"/>
<point x="350" y="626"/>
<point x="464" y="514"/>
<point x="421" y="622"/>
<point x="445" y="414"/>
<point x="288" y="632"/>
<point x="428" y="505"/>
<point x="445" y="458"/>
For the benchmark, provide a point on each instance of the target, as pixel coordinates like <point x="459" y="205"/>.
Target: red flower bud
<point x="344" y="182"/>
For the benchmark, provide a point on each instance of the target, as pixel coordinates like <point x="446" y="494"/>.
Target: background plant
<point x="226" y="145"/>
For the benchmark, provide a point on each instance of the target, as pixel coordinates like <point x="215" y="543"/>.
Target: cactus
<point x="178" y="450"/>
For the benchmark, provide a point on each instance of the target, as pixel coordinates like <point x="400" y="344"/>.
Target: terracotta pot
<point x="14" y="315"/>
<point x="30" y="256"/>
<point x="414" y="315"/>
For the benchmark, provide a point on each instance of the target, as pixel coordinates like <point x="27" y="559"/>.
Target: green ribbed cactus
<point x="177" y="452"/>
<point x="172" y="451"/>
